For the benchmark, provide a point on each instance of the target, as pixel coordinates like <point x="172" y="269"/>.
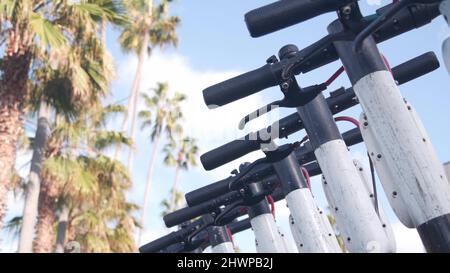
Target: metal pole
<point x="350" y="203"/>
<point x="220" y="240"/>
<point x="310" y="233"/>
<point x="411" y="174"/>
<point x="268" y="239"/>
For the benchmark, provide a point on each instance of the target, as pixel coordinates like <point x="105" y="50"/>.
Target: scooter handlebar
<point x="241" y="86"/>
<point x="285" y="13"/>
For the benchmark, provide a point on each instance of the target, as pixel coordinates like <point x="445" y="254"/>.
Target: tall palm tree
<point x="162" y="115"/>
<point x="23" y="28"/>
<point x="29" y="31"/>
<point x="150" y="26"/>
<point x="180" y="154"/>
<point x="76" y="181"/>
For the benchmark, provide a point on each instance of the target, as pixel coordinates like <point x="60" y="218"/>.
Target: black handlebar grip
<point x="228" y="152"/>
<point x="160" y="243"/>
<point x="185" y="214"/>
<point x="240" y="86"/>
<point x="202" y="194"/>
<point x="285" y="13"/>
<point x="416" y="67"/>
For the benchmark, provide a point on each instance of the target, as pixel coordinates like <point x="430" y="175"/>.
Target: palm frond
<point x="105" y="139"/>
<point x="46" y="31"/>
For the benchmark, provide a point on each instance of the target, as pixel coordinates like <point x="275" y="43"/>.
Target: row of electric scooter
<point x="399" y="149"/>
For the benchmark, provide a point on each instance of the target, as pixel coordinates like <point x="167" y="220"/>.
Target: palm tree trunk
<point x="103" y="30"/>
<point x="45" y="232"/>
<point x="149" y="182"/>
<point x="62" y="229"/>
<point x="174" y="189"/>
<point x="134" y="93"/>
<point x="33" y="187"/>
<point x="143" y="55"/>
<point x="13" y="87"/>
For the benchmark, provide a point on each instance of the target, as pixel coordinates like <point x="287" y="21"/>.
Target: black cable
<point x="233" y="184"/>
<point x="375" y="195"/>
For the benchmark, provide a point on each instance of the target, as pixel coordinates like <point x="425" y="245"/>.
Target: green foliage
<point x="181" y="153"/>
<point x="160" y="26"/>
<point x="13" y="226"/>
<point x="163" y="112"/>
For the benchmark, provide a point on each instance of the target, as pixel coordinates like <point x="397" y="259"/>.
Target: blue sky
<point x="215" y="45"/>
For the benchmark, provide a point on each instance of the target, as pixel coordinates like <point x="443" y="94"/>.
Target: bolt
<point x="378" y="156"/>
<point x="394" y="193"/>
<point x="346" y="10"/>
<point x="365" y="123"/>
<point x="285" y="85"/>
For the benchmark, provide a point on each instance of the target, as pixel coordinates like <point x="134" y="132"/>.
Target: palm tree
<point x="180" y="154"/>
<point x="76" y="181"/>
<point x="30" y="31"/>
<point x="105" y="224"/>
<point x="162" y="115"/>
<point x="150" y="26"/>
<point x="23" y="27"/>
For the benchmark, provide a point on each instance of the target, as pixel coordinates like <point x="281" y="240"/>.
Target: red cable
<point x="308" y="178"/>
<point x="272" y="204"/>
<point x="230" y="234"/>
<point x="386" y="63"/>
<point x="243" y="210"/>
<point x="349" y="119"/>
<point x="334" y="76"/>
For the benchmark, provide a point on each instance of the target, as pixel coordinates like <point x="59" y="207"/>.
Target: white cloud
<point x="211" y="127"/>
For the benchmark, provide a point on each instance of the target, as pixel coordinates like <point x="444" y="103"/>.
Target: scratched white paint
<point x="290" y="248"/>
<point x="310" y="232"/>
<point x="349" y="202"/>
<point x="366" y="178"/>
<point x="409" y="170"/>
<point x="267" y="236"/>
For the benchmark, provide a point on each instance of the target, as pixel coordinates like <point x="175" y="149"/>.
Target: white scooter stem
<point x="268" y="238"/>
<point x="310" y="232"/>
<point x="409" y="170"/>
<point x="355" y="215"/>
<point x="220" y="240"/>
